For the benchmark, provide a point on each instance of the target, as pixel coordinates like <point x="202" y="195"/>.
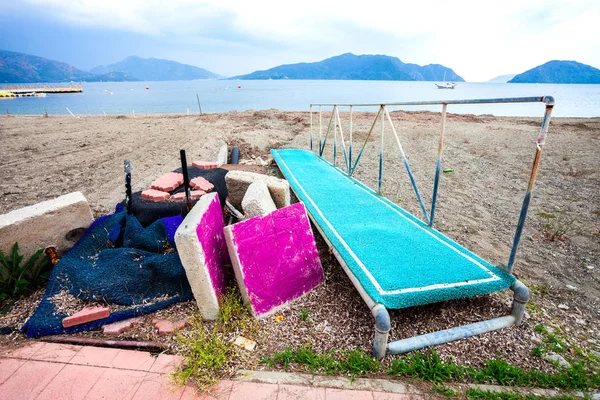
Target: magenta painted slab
<point x="277" y="257"/>
<point x="211" y="238"/>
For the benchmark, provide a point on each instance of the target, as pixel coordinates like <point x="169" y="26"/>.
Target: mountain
<point x="153" y="69"/>
<point x="501" y="78"/>
<point x="363" y="67"/>
<point x="559" y="72"/>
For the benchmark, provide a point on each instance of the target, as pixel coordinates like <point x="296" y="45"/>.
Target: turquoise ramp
<point x="399" y="260"/>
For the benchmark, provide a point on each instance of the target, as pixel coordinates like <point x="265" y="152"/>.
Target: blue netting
<point x="117" y="261"/>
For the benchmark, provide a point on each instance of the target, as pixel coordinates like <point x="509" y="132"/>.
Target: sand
<point x="478" y="203"/>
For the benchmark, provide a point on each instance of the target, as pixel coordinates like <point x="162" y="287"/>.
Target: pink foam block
<point x="155" y="195"/>
<point x="205" y="164"/>
<point x="194" y="193"/>
<point x="275" y="258"/>
<point x="201" y="184"/>
<point x="167" y="182"/>
<point x="86" y="315"/>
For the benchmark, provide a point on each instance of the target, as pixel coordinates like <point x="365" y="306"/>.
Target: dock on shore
<point x="51" y="88"/>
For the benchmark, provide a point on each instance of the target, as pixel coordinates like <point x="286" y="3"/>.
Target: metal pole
<point x="366" y="140"/>
<point x="339" y="121"/>
<point x="186" y="181"/>
<point x="381" y="153"/>
<point x="350" y="147"/>
<point x="320" y="127"/>
<point x="534" y="169"/>
<point x="311" y="146"/>
<point x="128" y="204"/>
<point x="334" y="135"/>
<point x="199" y="106"/>
<point x="326" y="135"/>
<point x="438" y="166"/>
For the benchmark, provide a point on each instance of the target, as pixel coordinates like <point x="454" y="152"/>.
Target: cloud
<point x="477" y="39"/>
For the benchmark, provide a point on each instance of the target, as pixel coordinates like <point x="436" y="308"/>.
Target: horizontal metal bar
<point x="450" y="335"/>
<point x="549" y="100"/>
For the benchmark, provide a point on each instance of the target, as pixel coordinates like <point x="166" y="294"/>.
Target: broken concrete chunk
<point x="155" y="195"/>
<point x="200" y="183"/>
<point x="86" y="315"/>
<point x="203" y="253"/>
<point x="275" y="258"/>
<point x="168" y="182"/>
<point x="244" y="343"/>
<point x="257" y="200"/>
<point x="238" y="182"/>
<point x="221" y="155"/>
<point x="55" y="223"/>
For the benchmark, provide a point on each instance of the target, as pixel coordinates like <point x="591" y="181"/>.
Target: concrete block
<point x="275" y="258"/>
<point x="205" y="164"/>
<point x="200" y="183"/>
<point x="238" y="182"/>
<point x="155" y="195"/>
<point x="221" y="156"/>
<point x="203" y="253"/>
<point x="59" y="223"/>
<point x="168" y="182"/>
<point x="257" y="200"/>
<point x="195" y="194"/>
<point x="86" y="315"/>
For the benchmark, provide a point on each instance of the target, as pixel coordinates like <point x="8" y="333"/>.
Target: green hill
<point x="559" y="72"/>
<point x="363" y="67"/>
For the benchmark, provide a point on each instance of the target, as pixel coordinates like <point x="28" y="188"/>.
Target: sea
<point x="181" y="97"/>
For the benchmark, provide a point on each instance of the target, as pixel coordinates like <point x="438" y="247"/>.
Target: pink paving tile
<point x="116" y="384"/>
<point x="253" y="391"/>
<point x="56" y="352"/>
<point x="130" y="359"/>
<point x="26" y="351"/>
<point x="219" y="392"/>
<point x="88" y="314"/>
<point x="73" y="383"/>
<point x="341" y="394"/>
<point x="168" y="181"/>
<point x="394" y="396"/>
<point x="29" y="380"/>
<point x="295" y="392"/>
<point x="95" y="356"/>
<point x="158" y="386"/>
<point x="166" y="363"/>
<point x="8" y="366"/>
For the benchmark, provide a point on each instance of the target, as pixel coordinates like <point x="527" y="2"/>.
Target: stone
<point x="116" y="328"/>
<point x="203" y="252"/>
<point x="238" y="182"/>
<point x="563" y="306"/>
<point x="205" y="164"/>
<point x="244" y="343"/>
<point x="571" y="287"/>
<point x="168" y="182"/>
<point x="86" y="315"/>
<point x="590" y="267"/>
<point x="155" y="195"/>
<point x="57" y="223"/>
<point x="200" y="183"/>
<point x="275" y="258"/>
<point x="257" y="200"/>
<point x="194" y="194"/>
<point x="222" y="154"/>
<point x="557" y="358"/>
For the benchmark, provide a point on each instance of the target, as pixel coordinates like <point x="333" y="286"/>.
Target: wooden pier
<point x="50" y="88"/>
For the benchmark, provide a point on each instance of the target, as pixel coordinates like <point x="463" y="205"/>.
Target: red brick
<point x="119" y="327"/>
<point x="201" y="184"/>
<point x="164" y="327"/>
<point x="167" y="182"/>
<point x="86" y="315"/>
<point x="155" y="195"/>
<point x="205" y="164"/>
<point x="180" y="324"/>
<point x="196" y="194"/>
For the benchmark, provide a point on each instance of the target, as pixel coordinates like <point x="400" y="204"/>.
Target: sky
<point x="479" y="40"/>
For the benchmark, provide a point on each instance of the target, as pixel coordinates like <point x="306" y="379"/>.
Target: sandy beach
<point x="478" y="203"/>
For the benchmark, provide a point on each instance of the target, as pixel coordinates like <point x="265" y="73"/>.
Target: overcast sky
<point x="477" y="39"/>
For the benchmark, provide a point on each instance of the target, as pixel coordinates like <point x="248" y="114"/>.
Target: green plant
<point x="477" y="394"/>
<point x="304" y="314"/>
<point x="555" y="226"/>
<point x="18" y="279"/>
<point x="444" y="390"/>
<point x="427" y="366"/>
<point x="537" y="351"/>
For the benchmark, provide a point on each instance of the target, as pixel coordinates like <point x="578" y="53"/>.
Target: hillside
<point x="559" y="72"/>
<point x="501" y="78"/>
<point x="363" y="67"/>
<point x="153" y="69"/>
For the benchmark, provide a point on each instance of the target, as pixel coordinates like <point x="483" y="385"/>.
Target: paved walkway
<point x="56" y="371"/>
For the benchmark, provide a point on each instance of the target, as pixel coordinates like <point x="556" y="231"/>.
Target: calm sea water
<point x="220" y="96"/>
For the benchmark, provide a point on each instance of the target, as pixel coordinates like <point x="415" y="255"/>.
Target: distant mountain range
<point x="559" y="72"/>
<point x="154" y="69"/>
<point x="501" y="79"/>
<point x="363" y="67"/>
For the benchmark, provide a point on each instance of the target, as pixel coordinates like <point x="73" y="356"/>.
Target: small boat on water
<point x="446" y="85"/>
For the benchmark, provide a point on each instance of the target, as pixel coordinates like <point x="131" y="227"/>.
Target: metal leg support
<point x="382" y="330"/>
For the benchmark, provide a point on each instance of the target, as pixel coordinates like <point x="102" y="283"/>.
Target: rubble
<point x="239" y="181"/>
<point x="257" y="200"/>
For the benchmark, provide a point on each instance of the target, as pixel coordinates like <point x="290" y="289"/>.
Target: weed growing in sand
<point x="209" y="352"/>
<point x="18" y="279"/>
<point x="444" y="390"/>
<point x="556" y="225"/>
<point x="304" y="315"/>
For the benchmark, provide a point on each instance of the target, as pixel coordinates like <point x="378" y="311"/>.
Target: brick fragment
<point x="196" y="194"/>
<point x="168" y="182"/>
<point x="165" y="327"/>
<point x="180" y="324"/>
<point x="88" y="314"/>
<point x="155" y="195"/>
<point x="201" y="184"/>
<point x="205" y="164"/>
<point x="116" y="328"/>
